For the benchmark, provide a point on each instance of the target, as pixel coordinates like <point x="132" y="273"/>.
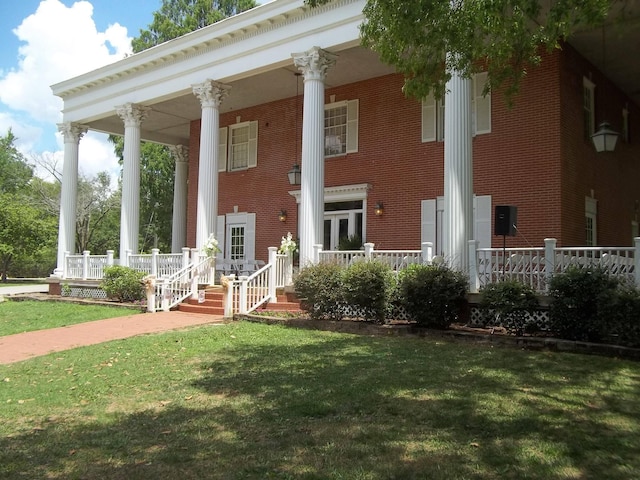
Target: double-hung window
<point x="340" y="128"/>
<point x="238" y="146"/>
<point x="433" y="112"/>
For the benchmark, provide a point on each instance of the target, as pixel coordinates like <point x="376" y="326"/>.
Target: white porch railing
<point x="536" y="266"/>
<point x="396" y="259"/>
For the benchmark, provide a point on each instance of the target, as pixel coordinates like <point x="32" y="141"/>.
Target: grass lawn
<point x="250" y="401"/>
<point x="27" y="316"/>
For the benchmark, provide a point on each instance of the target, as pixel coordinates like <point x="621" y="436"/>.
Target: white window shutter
<point x="222" y="149"/>
<point x="220" y="233"/>
<point x="428" y="221"/>
<point x="352" y="126"/>
<point x="250" y="237"/>
<point x="429" y="118"/>
<point x="253" y="145"/>
<point x="481" y="105"/>
<point x="482" y="220"/>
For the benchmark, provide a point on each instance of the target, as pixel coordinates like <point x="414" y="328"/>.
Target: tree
<point x="428" y="39"/>
<point x="178" y="17"/>
<point x="15" y="173"/>
<point x="24" y="231"/>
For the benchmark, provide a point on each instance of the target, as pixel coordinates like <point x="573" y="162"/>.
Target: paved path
<point x="22" y="346"/>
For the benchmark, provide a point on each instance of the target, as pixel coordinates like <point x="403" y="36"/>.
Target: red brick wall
<point x="531" y="159"/>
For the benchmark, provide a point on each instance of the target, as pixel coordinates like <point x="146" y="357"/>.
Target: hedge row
<point x="586" y="304"/>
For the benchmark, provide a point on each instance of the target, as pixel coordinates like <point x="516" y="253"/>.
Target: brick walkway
<point x="22" y="346"/>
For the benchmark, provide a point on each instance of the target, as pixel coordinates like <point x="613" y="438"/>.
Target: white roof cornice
<point x="269" y="16"/>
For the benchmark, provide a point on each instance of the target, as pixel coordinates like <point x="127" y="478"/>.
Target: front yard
<point x="255" y="401"/>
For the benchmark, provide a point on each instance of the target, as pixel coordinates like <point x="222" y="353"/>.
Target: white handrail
<point x="172" y="290"/>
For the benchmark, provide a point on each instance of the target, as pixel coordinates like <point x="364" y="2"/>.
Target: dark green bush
<point x="368" y="286"/>
<point x="432" y="295"/>
<point x="321" y="290"/>
<point x="509" y="304"/>
<point x="623" y="317"/>
<point x="123" y="284"/>
<point x="581" y="300"/>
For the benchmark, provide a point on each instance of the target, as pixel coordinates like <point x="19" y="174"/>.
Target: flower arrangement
<point x="288" y="244"/>
<point x="211" y="247"/>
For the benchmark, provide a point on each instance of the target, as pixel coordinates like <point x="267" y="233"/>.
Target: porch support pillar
<point x="313" y="64"/>
<point x="210" y="94"/>
<point x="72" y="134"/>
<point x="132" y="115"/>
<point x="180" y="154"/>
<point x="458" y="172"/>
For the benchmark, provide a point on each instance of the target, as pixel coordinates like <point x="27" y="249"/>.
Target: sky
<point x="43" y="42"/>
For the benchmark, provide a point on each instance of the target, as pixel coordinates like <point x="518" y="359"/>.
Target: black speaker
<point x="506" y="220"/>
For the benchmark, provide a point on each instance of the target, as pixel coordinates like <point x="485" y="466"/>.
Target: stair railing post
<point x="273" y="273"/>
<point x="185" y="257"/>
<point x="85" y="264"/>
<point x="229" y="293"/>
<point x="127" y="259"/>
<point x="195" y="273"/>
<point x="109" y="258"/>
<point x="164" y="297"/>
<point x="243" y="295"/>
<point x="427" y="252"/>
<point x="474" y="280"/>
<point x="549" y="260"/>
<point x="317" y="248"/>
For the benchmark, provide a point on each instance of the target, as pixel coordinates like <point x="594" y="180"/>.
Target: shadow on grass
<point x="362" y="408"/>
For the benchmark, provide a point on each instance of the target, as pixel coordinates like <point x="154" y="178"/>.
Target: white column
<point x="72" y="134"/>
<point x="313" y="64"/>
<point x="132" y="115"/>
<point x="180" y="154"/>
<point x="458" y="172"/>
<point x="210" y="94"/>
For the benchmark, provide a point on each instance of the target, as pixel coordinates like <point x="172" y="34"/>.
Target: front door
<point x="336" y="228"/>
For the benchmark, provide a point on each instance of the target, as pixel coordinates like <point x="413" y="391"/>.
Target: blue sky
<point x="47" y="41"/>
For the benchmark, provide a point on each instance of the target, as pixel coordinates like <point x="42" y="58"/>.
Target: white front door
<point x="336" y="227"/>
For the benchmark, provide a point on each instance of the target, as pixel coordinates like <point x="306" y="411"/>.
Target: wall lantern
<point x="379" y="209"/>
<point x="605" y="138"/>
<point x="282" y="216"/>
<point x="294" y="175"/>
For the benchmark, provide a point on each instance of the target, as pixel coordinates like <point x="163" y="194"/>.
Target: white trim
<point x="342" y="193"/>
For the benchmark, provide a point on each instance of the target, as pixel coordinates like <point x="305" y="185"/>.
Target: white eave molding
<point x="261" y="19"/>
<point x="341" y="193"/>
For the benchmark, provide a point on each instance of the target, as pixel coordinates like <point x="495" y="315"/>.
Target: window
<point x="236" y="242"/>
<point x="590" y="213"/>
<point x="588" y="107"/>
<point x="340" y="128"/>
<point x="433" y="112"/>
<point x="241" y="151"/>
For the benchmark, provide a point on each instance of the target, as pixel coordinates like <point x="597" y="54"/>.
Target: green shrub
<point x="581" y="299"/>
<point x="368" y="286"/>
<point x="123" y="284"/>
<point x="432" y="295"/>
<point x="623" y="317"/>
<point x="509" y="304"/>
<point x="321" y="290"/>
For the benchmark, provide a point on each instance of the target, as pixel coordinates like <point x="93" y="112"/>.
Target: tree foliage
<point x="428" y="39"/>
<point x="15" y="172"/>
<point x="179" y="17"/>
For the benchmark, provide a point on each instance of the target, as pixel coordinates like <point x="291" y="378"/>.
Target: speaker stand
<point x="504" y="255"/>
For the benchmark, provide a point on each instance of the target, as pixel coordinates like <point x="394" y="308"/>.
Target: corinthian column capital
<point x="132" y="114"/>
<point x="314" y="63"/>
<point x="72" y="132"/>
<point x="180" y="153"/>
<point x="210" y="93"/>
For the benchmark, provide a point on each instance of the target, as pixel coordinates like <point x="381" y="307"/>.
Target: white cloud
<point x="59" y="43"/>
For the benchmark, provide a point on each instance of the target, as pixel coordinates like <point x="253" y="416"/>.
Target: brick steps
<point x="214" y="303"/>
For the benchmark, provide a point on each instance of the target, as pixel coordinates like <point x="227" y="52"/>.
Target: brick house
<point x="360" y="142"/>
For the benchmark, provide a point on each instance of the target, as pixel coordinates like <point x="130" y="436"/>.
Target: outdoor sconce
<point x="605" y="138"/>
<point x="282" y="216"/>
<point x="294" y="175"/>
<point x="379" y="209"/>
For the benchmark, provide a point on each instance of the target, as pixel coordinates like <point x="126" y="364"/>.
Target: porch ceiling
<point x="169" y="120"/>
